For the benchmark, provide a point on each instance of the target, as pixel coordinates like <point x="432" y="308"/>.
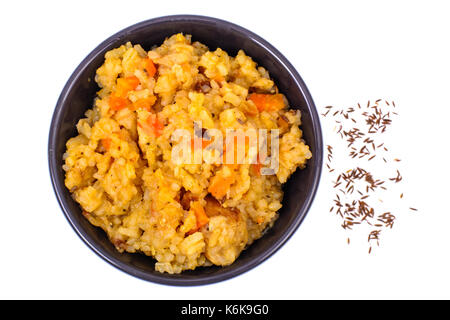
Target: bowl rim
<point x="203" y="279"/>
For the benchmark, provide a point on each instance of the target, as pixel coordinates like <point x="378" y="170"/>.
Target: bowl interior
<point x="78" y="96"/>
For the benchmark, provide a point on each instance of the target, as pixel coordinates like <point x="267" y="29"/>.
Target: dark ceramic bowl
<point x="79" y="92"/>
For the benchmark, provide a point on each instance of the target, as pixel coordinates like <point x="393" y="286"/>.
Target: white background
<point x="346" y="52"/>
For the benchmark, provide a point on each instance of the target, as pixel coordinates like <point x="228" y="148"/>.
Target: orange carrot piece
<point x="204" y="143"/>
<point x="158" y="127"/>
<point x="200" y="215"/>
<point x="267" y="102"/>
<point x="259" y="100"/>
<point x="219" y="184"/>
<point x="150" y="67"/>
<point x="117" y="103"/>
<point x="132" y="82"/>
<point x="256" y="167"/>
<point x="219" y="78"/>
<point x="106" y="143"/>
<point x="202" y="218"/>
<point x="151" y="125"/>
<point x="192" y="143"/>
<point x="145" y="103"/>
<point x="124" y="85"/>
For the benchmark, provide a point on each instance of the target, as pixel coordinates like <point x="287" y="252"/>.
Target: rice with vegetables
<point x="120" y="166"/>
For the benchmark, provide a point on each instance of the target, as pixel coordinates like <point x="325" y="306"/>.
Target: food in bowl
<point x="151" y="167"/>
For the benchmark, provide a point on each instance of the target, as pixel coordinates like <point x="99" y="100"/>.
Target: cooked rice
<point x="119" y="167"/>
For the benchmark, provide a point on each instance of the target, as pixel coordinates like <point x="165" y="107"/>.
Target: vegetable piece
<point x="221" y="182"/>
<point x="125" y="85"/>
<point x="117" y="103"/>
<point x="200" y="215"/>
<point x="204" y="143"/>
<point x="151" y="125"/>
<point x="132" y="82"/>
<point x="267" y="102"/>
<point x="145" y="103"/>
<point x="202" y="218"/>
<point x="106" y="143"/>
<point x="256" y="168"/>
<point x="150" y="67"/>
<point x="219" y="78"/>
<point x="158" y="127"/>
<point x="118" y="100"/>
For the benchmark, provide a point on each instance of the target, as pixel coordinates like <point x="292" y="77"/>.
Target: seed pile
<point x="359" y="193"/>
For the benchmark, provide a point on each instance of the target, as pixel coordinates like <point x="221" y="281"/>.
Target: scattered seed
<point x="363" y="142"/>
